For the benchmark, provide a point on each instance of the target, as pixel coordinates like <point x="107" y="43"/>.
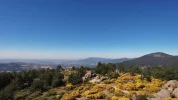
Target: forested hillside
<point x="154" y="59"/>
<point x="105" y="81"/>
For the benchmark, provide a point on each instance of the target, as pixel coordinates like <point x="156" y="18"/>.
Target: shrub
<point x="71" y="96"/>
<point x="98" y="95"/>
<point x="115" y="98"/>
<point x="69" y="87"/>
<point x="124" y="98"/>
<point x="37" y="85"/>
<point x="75" y="78"/>
<point x="113" y="75"/>
<point x="141" y="97"/>
<point x="51" y="93"/>
<point x="104" y="69"/>
<point x="57" y="82"/>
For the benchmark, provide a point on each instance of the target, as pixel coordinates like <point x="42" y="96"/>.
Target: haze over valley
<point x="29" y="64"/>
<point x="154" y="59"/>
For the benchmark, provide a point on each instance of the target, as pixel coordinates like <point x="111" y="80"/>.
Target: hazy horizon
<point x="53" y="58"/>
<point x="67" y="29"/>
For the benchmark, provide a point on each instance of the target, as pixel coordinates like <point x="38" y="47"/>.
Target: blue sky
<point x="68" y="29"/>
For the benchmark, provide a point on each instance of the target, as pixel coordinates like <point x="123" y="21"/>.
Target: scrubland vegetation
<point x="119" y="83"/>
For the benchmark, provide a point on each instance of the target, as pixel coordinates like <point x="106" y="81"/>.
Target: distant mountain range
<point x="106" y="60"/>
<point x="153" y="59"/>
<point x="29" y="64"/>
<point x="64" y="61"/>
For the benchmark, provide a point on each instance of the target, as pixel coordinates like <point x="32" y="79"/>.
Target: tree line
<point x="36" y="80"/>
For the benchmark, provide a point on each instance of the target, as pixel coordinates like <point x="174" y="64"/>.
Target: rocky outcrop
<point x="98" y="79"/>
<point x="162" y="95"/>
<point x="175" y="93"/>
<point x="171" y="84"/>
<point x="170" y="89"/>
<point x="88" y="75"/>
<point x="93" y="77"/>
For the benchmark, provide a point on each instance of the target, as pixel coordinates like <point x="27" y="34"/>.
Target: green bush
<point x="141" y="97"/>
<point x="113" y="75"/>
<point x="37" y="85"/>
<point x="75" y="78"/>
<point x="104" y="69"/>
<point x="51" y="93"/>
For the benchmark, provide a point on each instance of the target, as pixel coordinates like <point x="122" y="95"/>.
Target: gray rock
<point x="83" y="78"/>
<point x="171" y="89"/>
<point x="162" y="95"/>
<point x="175" y="93"/>
<point x="134" y="97"/>
<point x="98" y="79"/>
<point x="103" y="78"/>
<point x="88" y="75"/>
<point x="171" y="83"/>
<point x="95" y="80"/>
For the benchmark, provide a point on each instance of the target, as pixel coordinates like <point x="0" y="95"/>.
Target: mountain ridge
<point x="153" y="59"/>
<point x="99" y="59"/>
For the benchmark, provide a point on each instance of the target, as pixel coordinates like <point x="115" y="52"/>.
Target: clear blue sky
<point x="87" y="28"/>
